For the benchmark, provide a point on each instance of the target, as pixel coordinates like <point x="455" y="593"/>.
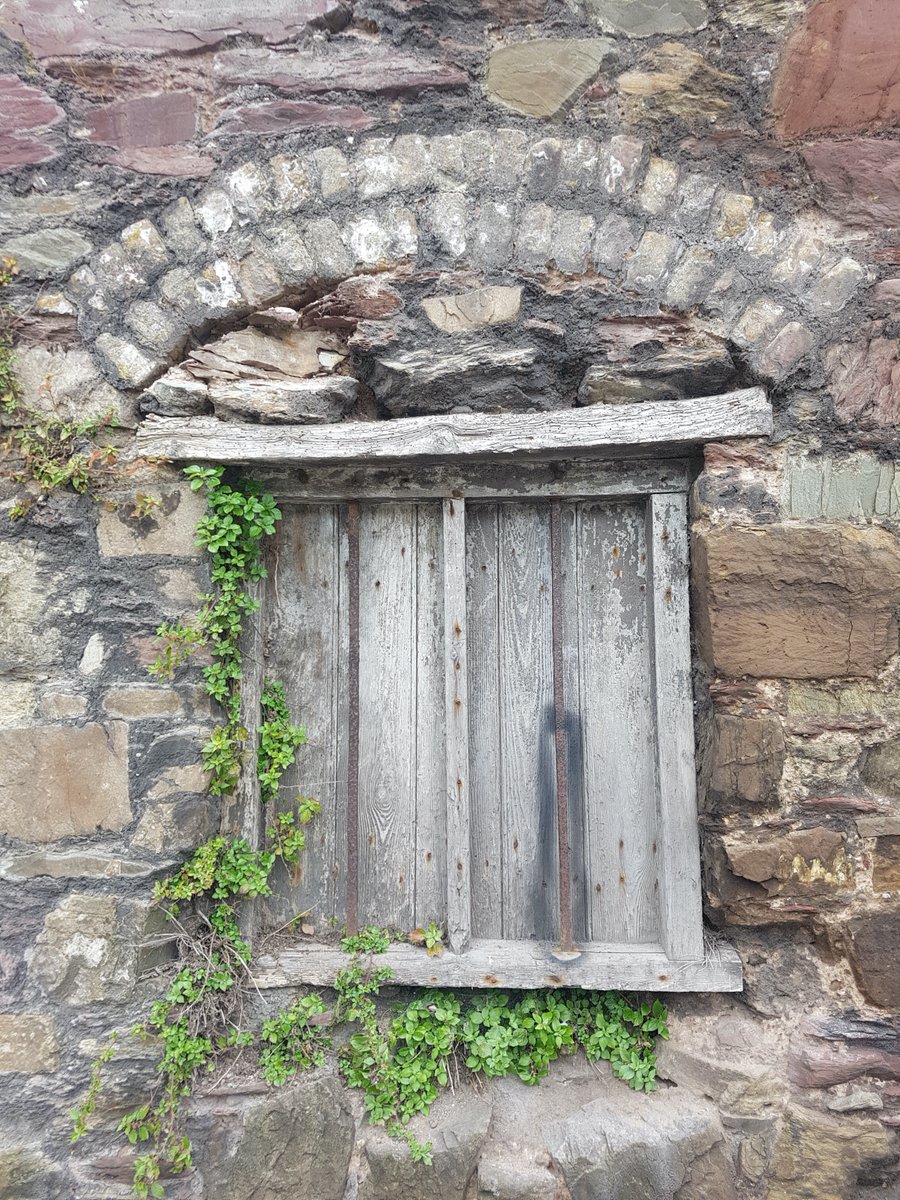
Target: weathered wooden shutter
<point x="457" y="758"/>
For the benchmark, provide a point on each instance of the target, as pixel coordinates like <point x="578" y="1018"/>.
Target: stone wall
<point x="364" y="210"/>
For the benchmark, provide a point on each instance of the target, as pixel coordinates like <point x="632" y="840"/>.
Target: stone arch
<point x="636" y="234"/>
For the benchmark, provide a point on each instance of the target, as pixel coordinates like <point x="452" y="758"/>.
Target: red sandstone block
<point x="859" y="179"/>
<point x="281" y="116"/>
<point x="179" y="162"/>
<point x="347" y="64"/>
<point x="24" y="152"/>
<point x="58" y="27"/>
<point x="839" y="69"/>
<point x="161" y="119"/>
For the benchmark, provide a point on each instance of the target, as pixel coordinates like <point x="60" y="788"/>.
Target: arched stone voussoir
<point x="496" y="202"/>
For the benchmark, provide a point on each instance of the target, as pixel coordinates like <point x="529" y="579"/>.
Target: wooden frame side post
<point x="681" y="914"/>
<point x="456" y="724"/>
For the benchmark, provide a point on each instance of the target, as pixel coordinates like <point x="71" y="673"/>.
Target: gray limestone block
<point x="615" y="239"/>
<point x="330" y="257"/>
<point x="156" y="327"/>
<point x="479" y="373"/>
<point x="286" y="1144"/>
<point x="47" y="253"/>
<point x="130" y="365"/>
<point x="146" y="249"/>
<point x="836" y="287"/>
<point x="649" y="1146"/>
<point x="333" y="169"/>
<point x="542" y="167"/>
<point x="287" y="249"/>
<point x="571" y="241"/>
<point x="456" y="1129"/>
<point x="649" y="264"/>
<point x="250" y="190"/>
<point x="181" y="230"/>
<point x="388" y="167"/>
<point x="657" y="190"/>
<point x="450" y="218"/>
<point x="294" y="181"/>
<point x="176" y="394"/>
<point x="534" y="236"/>
<point x="690" y="278"/>
<point x="578" y="168"/>
<point x="694" y="200"/>
<point x="503" y="164"/>
<point x="285" y="401"/>
<point x="622" y="163"/>
<point x="383" y="238"/>
<point x="492" y="234"/>
<point x="117" y="274"/>
<point x="211" y="294"/>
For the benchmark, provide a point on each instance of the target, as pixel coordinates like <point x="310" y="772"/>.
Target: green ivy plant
<point x="200" y="1016"/>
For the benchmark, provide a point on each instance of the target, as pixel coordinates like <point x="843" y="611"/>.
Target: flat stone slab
<point x="544" y="77"/>
<point x="645" y="18"/>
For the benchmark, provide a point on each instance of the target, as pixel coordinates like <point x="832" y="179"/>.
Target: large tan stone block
<point x="818" y="1156"/>
<point x="169" y="529"/>
<point x="63" y="781"/>
<point x="28" y="1043"/>
<point x="747" y="760"/>
<point x="799" y="602"/>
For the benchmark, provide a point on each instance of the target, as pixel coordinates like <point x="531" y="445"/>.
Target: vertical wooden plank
<point x="530" y="894"/>
<point x="679" y="851"/>
<point x="459" y="901"/>
<point x="483" y="676"/>
<point x="306" y="630"/>
<point x="617" y="718"/>
<point x="431" y="807"/>
<point x="387" y="716"/>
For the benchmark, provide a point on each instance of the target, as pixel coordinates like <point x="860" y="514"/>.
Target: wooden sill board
<point x="507" y="964"/>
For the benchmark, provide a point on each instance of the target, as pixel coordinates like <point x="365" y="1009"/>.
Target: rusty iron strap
<point x="559" y="708"/>
<point x="353" y="734"/>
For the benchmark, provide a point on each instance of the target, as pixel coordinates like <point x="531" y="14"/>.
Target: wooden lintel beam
<point x="600" y="427"/>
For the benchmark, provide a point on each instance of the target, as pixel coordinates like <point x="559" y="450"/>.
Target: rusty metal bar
<point x="353" y="732"/>
<point x="559" y="709"/>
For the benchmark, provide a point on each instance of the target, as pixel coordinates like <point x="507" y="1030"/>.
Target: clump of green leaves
<point x="431" y="936"/>
<point x="279" y="740"/>
<point x="370" y="940"/>
<point x="294" y="1040"/>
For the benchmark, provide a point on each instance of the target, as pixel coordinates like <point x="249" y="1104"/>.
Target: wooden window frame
<point x="681" y="961"/>
<point x="444" y="457"/>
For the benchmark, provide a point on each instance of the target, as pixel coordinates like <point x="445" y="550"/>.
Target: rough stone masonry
<point x="365" y="209"/>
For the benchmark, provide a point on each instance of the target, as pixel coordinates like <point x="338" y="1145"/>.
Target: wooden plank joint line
<point x="559" y="713"/>
<point x="353" y="731"/>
